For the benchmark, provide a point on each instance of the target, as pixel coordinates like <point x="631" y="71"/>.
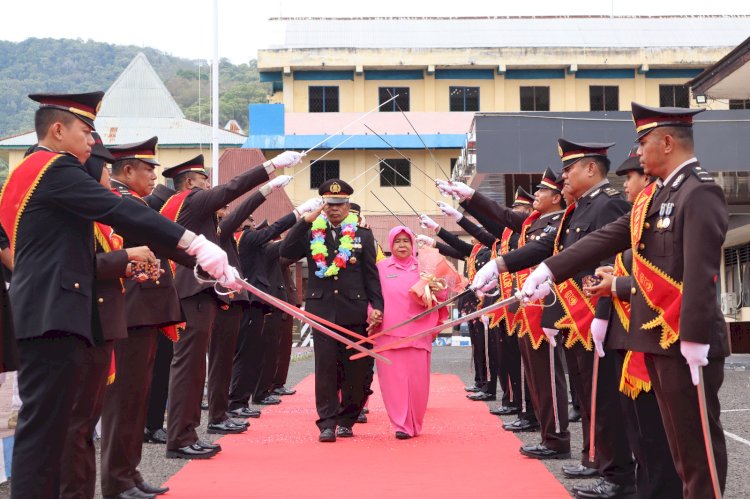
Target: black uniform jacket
<point x="8" y="349"/>
<point x="198" y="214"/>
<point x="688" y="250"/>
<point x="152" y="303"/>
<point x="259" y="258"/>
<point x="492" y="215"/>
<point x="594" y="210"/>
<point x="54" y="270"/>
<point x="342" y="299"/>
<point x="109" y="293"/>
<point x="617" y="335"/>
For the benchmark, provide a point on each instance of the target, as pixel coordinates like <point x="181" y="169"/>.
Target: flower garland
<point x="320" y="252"/>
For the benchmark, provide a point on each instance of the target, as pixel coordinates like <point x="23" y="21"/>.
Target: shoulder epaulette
<point x="366" y="227"/>
<point x="611" y="192"/>
<point x="702" y="174"/>
<point x="555" y="218"/>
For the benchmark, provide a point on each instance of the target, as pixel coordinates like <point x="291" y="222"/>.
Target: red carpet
<point x="463" y="452"/>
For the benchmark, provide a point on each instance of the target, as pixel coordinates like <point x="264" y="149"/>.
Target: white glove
<point x="486" y="278"/>
<point x="209" y="256"/>
<point x="550" y="334"/>
<point x="231" y="279"/>
<point x="312" y="204"/>
<point x="428" y="223"/>
<point x="598" y="333"/>
<point x="536" y="287"/>
<point x="275" y="183"/>
<point x="444" y="187"/>
<point x="286" y="159"/>
<point x="450" y="211"/>
<point x="425" y="241"/>
<point x="461" y="191"/>
<point x="696" y="355"/>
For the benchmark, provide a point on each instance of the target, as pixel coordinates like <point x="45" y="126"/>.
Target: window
<point x="674" y="96"/>
<point x="323" y="99"/>
<point x="400" y="103"/>
<point x="464" y="98"/>
<point x="604" y="98"/>
<point x="390" y="177"/>
<point x="534" y="98"/>
<point x="323" y="170"/>
<point x="739" y="104"/>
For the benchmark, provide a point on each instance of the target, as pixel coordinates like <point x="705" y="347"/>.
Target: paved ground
<point x="735" y="397"/>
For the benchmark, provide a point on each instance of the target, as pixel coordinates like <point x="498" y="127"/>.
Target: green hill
<point x="51" y="65"/>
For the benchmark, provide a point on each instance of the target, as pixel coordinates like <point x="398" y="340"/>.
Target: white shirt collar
<point x="666" y="181"/>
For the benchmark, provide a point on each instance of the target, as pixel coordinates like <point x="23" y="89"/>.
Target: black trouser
<point x="47" y="383"/>
<point x="284" y="357"/>
<point x="538" y="366"/>
<point x="269" y="353"/>
<point x="580" y="370"/>
<point x="78" y="479"/>
<point x="334" y="371"/>
<point x="124" y="414"/>
<point x="476" y="335"/>
<point x="187" y="375"/>
<point x="655" y="475"/>
<point x="492" y="361"/>
<point x="248" y="353"/>
<point x="220" y="353"/>
<point x="157" y="401"/>
<point x="680" y="413"/>
<point x="610" y="441"/>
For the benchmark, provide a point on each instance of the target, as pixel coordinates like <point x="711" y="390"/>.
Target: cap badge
<point x="335" y="188"/>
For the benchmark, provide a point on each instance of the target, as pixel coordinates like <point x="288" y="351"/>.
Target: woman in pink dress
<point x="405" y="384"/>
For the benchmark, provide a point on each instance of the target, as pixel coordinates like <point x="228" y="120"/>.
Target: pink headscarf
<point x="395" y="232"/>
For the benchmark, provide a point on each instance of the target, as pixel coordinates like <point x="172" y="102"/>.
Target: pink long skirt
<point x="405" y="387"/>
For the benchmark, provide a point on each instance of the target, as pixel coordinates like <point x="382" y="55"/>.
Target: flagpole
<point x="215" y="99"/>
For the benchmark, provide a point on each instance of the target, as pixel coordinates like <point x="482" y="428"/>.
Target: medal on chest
<point x="665" y="211"/>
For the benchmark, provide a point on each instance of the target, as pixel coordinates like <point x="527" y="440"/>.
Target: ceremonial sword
<point x="436" y="329"/>
<point x="592" y="422"/>
<point x="707" y="434"/>
<point x="312" y="320"/>
<point x="553" y="382"/>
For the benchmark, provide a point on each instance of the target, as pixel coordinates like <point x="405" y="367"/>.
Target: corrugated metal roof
<point x="581" y="31"/>
<point x="236" y="161"/>
<point x="138" y="106"/>
<point x="382" y="123"/>
<point x="139" y="93"/>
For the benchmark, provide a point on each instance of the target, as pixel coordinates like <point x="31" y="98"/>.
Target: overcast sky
<point x="183" y="27"/>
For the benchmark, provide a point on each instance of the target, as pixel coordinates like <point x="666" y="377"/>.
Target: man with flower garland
<point x="343" y="281"/>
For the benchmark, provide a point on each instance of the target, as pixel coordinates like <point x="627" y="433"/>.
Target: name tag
<point x="392" y="276"/>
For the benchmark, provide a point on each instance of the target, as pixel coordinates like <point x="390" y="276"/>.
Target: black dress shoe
<point x="602" y="489"/>
<point x="282" y="390"/>
<point x="269" y="400"/>
<point x="208" y="445"/>
<point x="574" y="415"/>
<point x="151" y="489"/>
<point x="157" y="436"/>
<point x="194" y="451"/>
<point x="226" y="427"/>
<point x="362" y="418"/>
<point x="542" y="452"/>
<point x="327" y="435"/>
<point x="474" y="388"/>
<point x="402" y="435"/>
<point x="481" y="397"/>
<point x="505" y="410"/>
<point x="344" y="432"/>
<point x="521" y="424"/>
<point x="244" y="413"/>
<point x="132" y="493"/>
<point x="579" y="471"/>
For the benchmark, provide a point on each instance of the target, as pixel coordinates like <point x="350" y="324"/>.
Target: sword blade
<point x="553" y="383"/>
<point x="306" y="318"/>
<point x="707" y="434"/>
<point x="592" y="423"/>
<point x="419" y="315"/>
<point x="440" y="327"/>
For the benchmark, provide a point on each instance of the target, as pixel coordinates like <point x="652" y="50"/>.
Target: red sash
<point x="662" y="293"/>
<point x="579" y="310"/>
<point x="506" y="287"/>
<point x="18" y="189"/>
<point x="471" y="270"/>
<point x="171" y="210"/>
<point x="635" y="377"/>
<point x="529" y="317"/>
<point x="237" y="237"/>
<point x="622" y="307"/>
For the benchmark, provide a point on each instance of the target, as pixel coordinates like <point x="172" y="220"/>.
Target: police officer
<point x="194" y="206"/>
<point x="51" y="236"/>
<point x="675" y="232"/>
<point x="339" y="289"/>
